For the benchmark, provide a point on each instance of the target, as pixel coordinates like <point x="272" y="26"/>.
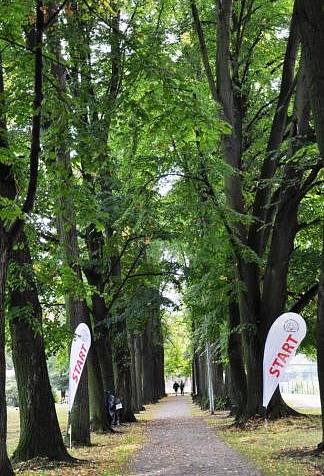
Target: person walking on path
<point x="176" y="387"/>
<point x="182" y="386"/>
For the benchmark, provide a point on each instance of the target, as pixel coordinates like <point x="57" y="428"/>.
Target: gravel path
<point x="182" y="444"/>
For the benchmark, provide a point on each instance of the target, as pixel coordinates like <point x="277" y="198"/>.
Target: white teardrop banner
<point x="283" y="340"/>
<point x="78" y="356"/>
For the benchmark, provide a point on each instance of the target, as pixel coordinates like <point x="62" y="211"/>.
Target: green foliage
<point x="177" y="349"/>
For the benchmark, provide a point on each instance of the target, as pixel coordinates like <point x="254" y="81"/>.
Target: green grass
<point x="108" y="455"/>
<point x="282" y="448"/>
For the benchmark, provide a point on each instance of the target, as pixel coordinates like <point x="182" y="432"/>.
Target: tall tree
<point x="11" y="226"/>
<point x="311" y="24"/>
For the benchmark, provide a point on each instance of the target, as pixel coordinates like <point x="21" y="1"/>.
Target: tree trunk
<point x="218" y="381"/>
<point x="67" y="230"/>
<point x="76" y="308"/>
<point x="236" y="364"/>
<point x="8" y="190"/>
<point x="40" y="434"/>
<point x="122" y="372"/>
<point x="5" y="465"/>
<point x="131" y="345"/>
<point x="148" y="362"/>
<point x="320" y="338"/>
<point x="203" y="381"/>
<point x="138" y="348"/>
<point x="98" y="414"/>
<point x="311" y="24"/>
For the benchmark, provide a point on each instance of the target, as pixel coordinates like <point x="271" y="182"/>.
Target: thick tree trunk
<point x="148" y="363"/>
<point x="102" y="378"/>
<point x="285" y="227"/>
<point x="320" y="339"/>
<point x="138" y="349"/>
<point x="121" y="355"/>
<point x="40" y="433"/>
<point x="218" y="381"/>
<point x="122" y="372"/>
<point x="203" y="381"/>
<point x="67" y="229"/>
<point x="101" y="341"/>
<point x="311" y="24"/>
<point x="5" y="465"/>
<point x="98" y="414"/>
<point x="76" y="308"/>
<point x="197" y="387"/>
<point x="159" y="356"/>
<point x="252" y="348"/>
<point x="8" y="190"/>
<point x="153" y="353"/>
<point x="310" y="16"/>
<point x="80" y="414"/>
<point x="236" y="364"/>
<point x="131" y="345"/>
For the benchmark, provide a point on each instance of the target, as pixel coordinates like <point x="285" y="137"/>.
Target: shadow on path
<point x="182" y="444"/>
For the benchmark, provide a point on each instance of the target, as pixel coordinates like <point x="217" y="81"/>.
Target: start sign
<point x="283" y="340"/>
<point x="78" y="356"/>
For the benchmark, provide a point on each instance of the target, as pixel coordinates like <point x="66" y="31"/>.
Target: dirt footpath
<point x="182" y="444"/>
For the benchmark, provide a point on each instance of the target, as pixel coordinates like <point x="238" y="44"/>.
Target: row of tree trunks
<point x="263" y="296"/>
<point x="67" y="231"/>
<point x="153" y="358"/>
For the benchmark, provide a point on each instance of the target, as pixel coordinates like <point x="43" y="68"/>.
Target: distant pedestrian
<point x="182" y="386"/>
<point x="176" y="387"/>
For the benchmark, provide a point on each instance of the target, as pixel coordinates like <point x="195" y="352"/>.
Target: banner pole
<point x="69" y="429"/>
<point x="265" y="418"/>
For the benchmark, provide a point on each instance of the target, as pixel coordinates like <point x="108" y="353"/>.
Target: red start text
<point x="80" y="363"/>
<point x="282" y="356"/>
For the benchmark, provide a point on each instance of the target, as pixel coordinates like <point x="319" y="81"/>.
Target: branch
<point x="122" y="284"/>
<point x="36" y="124"/>
<point x="55" y="14"/>
<point x="121" y="254"/>
<point x="260" y="113"/>
<point x="304" y="226"/>
<point x="249" y="56"/>
<point x="305" y="299"/>
<point x="309" y="182"/>
<point x="203" y="49"/>
<point x="162" y="273"/>
<point x="49" y="237"/>
<point x="276" y="135"/>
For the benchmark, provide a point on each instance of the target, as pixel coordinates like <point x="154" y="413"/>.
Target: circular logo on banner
<point x="291" y="325"/>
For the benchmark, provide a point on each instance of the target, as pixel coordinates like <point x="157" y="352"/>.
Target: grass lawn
<point x="282" y="448"/>
<point x="107" y="456"/>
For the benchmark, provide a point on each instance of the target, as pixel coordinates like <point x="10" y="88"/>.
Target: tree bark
<point x="40" y="434"/>
<point x="236" y="364"/>
<point x="311" y="24"/>
<point x="5" y="465"/>
<point x="138" y="349"/>
<point x="7" y="190"/>
<point x="285" y="227"/>
<point x="320" y="339"/>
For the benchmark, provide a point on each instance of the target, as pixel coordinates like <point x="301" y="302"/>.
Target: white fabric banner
<point x="283" y="340"/>
<point x="79" y="351"/>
